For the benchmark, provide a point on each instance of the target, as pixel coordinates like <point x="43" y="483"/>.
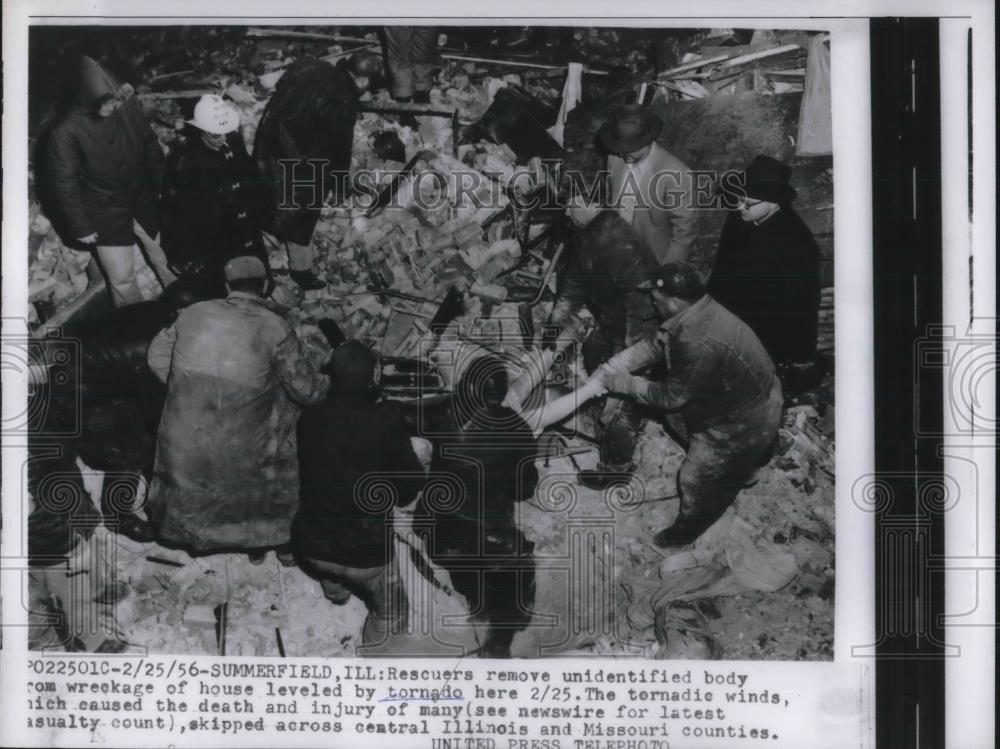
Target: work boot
<point x="286" y="557"/>
<point x="307" y="280"/>
<point x="257" y="557"/>
<point x="335" y="592"/>
<point x="683" y="532"/>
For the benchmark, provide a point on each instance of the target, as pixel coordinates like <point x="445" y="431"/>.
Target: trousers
<point x="720" y="461"/>
<point x="381" y="590"/>
<point x="65" y="606"/>
<point x="411" y="58"/>
<point x="620" y="420"/>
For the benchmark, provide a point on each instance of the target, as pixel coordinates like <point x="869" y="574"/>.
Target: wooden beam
<point x="517" y="63"/>
<point x="265" y="32"/>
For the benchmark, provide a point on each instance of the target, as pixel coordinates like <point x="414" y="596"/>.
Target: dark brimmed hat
<point x="244" y="266"/>
<point x="766" y="179"/>
<point x="629" y="129"/>
<point x="676" y="279"/>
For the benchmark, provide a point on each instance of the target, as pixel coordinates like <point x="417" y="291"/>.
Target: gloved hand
<point x="617" y="381"/>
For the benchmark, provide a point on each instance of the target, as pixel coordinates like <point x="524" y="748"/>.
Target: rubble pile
<point x="419" y="234"/>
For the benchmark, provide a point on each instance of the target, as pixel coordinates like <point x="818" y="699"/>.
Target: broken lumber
<point x="264" y="33"/>
<point x="162" y="95"/>
<point x="693" y="65"/>
<point x="423" y="110"/>
<point x="741" y="59"/>
<point x="517" y="63"/>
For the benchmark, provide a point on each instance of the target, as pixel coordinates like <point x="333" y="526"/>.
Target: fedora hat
<point x="629" y="129"/>
<point x="213" y="115"/>
<point x="768" y="179"/>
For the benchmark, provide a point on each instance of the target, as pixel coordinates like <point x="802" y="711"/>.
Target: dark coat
<point x="481" y="470"/>
<point x="59" y="504"/>
<point x="355" y="464"/>
<point x="768" y="275"/>
<point x="97" y="175"/>
<point x="311" y="115"/>
<point x="213" y="206"/>
<point x="226" y="470"/>
<point x="606" y="267"/>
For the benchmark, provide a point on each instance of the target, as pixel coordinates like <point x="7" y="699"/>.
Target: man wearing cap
<point x="310" y="117"/>
<point x="605" y="269"/>
<point x="767" y="267"/>
<point x="226" y="472"/>
<point x="721" y="395"/>
<point x="652" y="189"/>
<point x="213" y="200"/>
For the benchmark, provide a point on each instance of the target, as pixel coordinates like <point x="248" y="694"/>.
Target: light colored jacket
<point x="226" y="471"/>
<point x="666" y="217"/>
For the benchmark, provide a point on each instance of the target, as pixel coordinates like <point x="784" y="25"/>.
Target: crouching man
<point x="356" y="464"/>
<point x="226" y="474"/>
<point x="721" y="394"/>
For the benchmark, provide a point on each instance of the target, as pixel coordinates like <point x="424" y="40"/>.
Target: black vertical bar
<point x="906" y="166"/>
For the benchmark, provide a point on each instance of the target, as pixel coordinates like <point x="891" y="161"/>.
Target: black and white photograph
<point x="433" y="340"/>
<point x="473" y="382"/>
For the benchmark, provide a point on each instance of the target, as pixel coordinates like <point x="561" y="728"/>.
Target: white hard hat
<point x="213" y="115"/>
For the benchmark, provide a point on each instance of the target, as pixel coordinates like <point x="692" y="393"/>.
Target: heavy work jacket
<point x="767" y="274"/>
<point x="98" y="174"/>
<point x="666" y="217"/>
<point x="355" y="464"/>
<point x="719" y="376"/>
<point x="213" y="206"/>
<point x="606" y="267"/>
<point x="226" y="471"/>
<point x="310" y="116"/>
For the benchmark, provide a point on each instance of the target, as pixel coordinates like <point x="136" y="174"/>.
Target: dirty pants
<point x="620" y="419"/>
<point x="63" y="607"/>
<point x="380" y="588"/>
<point x="720" y="461"/>
<point x="411" y="58"/>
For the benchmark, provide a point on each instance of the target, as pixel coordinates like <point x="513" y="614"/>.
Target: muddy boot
<point x="335" y="592"/>
<point x="286" y="558"/>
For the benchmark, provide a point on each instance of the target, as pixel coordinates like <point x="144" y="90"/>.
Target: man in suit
<point x="652" y="189"/>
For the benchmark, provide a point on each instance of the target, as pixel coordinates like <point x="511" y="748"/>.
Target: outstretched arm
<point x="551" y="413"/>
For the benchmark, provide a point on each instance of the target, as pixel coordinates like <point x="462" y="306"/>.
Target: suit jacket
<point x="666" y="218"/>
